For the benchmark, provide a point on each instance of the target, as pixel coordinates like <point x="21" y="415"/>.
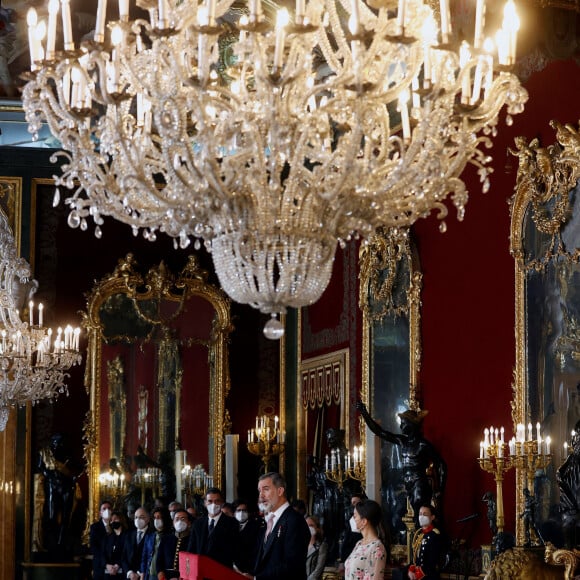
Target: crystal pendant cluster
<point x="270" y="143"/>
<point x="33" y="361"/>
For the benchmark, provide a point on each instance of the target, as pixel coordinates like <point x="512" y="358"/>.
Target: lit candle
<point x="511" y="24"/>
<point x="282" y="19"/>
<point x="401" y="17"/>
<point x="100" y="21"/>
<point x="67" y="25"/>
<point x="501" y="40"/>
<point x="548" y="443"/>
<point x="124" y="10"/>
<point x="162" y="15"/>
<point x="445" y="20"/>
<point x="31" y="312"/>
<point x="477" y="82"/>
<point x="53" y="7"/>
<point x="354" y="20"/>
<point x="486" y="436"/>
<point x="300" y="10"/>
<point x="404" y="110"/>
<point x="31" y="20"/>
<point x="479" y="22"/>
<point x="501" y="431"/>
<point x="530" y="435"/>
<point x="481" y="449"/>
<point x="40" y="310"/>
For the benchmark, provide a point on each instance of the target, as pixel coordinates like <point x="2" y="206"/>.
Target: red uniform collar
<point x="428" y="529"/>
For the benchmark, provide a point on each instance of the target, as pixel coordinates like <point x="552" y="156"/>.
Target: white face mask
<point x="352" y="523"/>
<point x="241" y="516"/>
<point x="424" y="521"/>
<point x="158" y="524"/>
<point x="106" y="515"/>
<point x="213" y="509"/>
<point x="140" y="523"/>
<point x="312" y="530"/>
<point x="180" y="526"/>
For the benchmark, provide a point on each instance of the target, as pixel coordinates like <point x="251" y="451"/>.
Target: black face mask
<point x="115" y="525"/>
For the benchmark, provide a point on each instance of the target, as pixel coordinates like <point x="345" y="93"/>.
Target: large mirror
<point x="390" y="287"/>
<point x="157" y="372"/>
<point x="545" y="238"/>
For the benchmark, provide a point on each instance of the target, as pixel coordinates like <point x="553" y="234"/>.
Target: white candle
<point x="40" y="310"/>
<point x="404" y="110"/>
<point x="511" y="24"/>
<point x="479" y="22"/>
<point x="31" y="312"/>
<point x="548" y="443"/>
<point x="445" y="20"/>
<point x="124" y="10"/>
<point x="477" y="83"/>
<point x="502" y="40"/>
<point x="162" y="16"/>
<point x="53" y="7"/>
<point x="67" y="25"/>
<point x="100" y="21"/>
<point x="401" y="17"/>
<point x="502" y="430"/>
<point x="31" y="20"/>
<point x="481" y="449"/>
<point x="255" y="10"/>
<point x="354" y="20"/>
<point x="282" y="19"/>
<point x="300" y="10"/>
<point x="211" y="11"/>
<point x="530" y="435"/>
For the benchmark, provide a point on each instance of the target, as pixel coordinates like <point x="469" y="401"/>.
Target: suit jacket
<point x="221" y="545"/>
<point x="132" y="551"/>
<point x="283" y="556"/>
<point x="97" y="535"/>
<point x="167" y="552"/>
<point x="248" y="545"/>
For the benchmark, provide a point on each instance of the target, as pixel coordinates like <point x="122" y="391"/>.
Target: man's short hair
<point x="277" y="479"/>
<point x="214" y="491"/>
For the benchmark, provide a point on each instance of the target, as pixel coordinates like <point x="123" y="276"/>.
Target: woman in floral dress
<point x="368" y="559"/>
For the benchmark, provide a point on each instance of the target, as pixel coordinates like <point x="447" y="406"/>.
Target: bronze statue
<point x="489" y="499"/>
<point x="529" y="517"/>
<point x="568" y="477"/>
<point x="424" y="471"/>
<point x="60" y="475"/>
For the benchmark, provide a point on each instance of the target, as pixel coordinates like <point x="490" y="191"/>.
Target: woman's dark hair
<point x="372" y="512"/>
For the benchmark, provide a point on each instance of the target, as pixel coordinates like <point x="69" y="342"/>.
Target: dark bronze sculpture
<point x="60" y="474"/>
<point x="568" y="477"/>
<point x="529" y="518"/>
<point x="489" y="499"/>
<point x="424" y="471"/>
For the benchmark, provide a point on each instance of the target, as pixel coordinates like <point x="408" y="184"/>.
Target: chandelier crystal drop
<point x="33" y="360"/>
<point x="270" y="142"/>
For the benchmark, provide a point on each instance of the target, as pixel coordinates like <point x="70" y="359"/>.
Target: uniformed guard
<point x="427" y="546"/>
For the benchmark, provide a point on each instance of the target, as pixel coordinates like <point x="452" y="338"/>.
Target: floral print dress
<point x="366" y="562"/>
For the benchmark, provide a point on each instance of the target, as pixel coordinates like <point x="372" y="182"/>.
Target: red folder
<point x="194" y="567"/>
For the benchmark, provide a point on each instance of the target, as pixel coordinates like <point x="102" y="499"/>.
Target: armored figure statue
<point x="424" y="471"/>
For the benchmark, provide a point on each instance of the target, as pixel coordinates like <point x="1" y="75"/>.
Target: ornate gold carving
<point x="521" y="564"/>
<point x="567" y="558"/>
<point x="157" y="284"/>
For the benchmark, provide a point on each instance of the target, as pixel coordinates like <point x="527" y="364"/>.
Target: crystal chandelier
<point x="270" y="143"/>
<point x="33" y="362"/>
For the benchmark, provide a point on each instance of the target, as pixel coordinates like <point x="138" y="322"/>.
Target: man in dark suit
<point x="172" y="544"/>
<point x="215" y="535"/>
<point x="97" y="534"/>
<point x="283" y="543"/>
<point x="134" y="542"/>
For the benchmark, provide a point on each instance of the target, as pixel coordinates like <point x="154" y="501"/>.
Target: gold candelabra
<point x="147" y="478"/>
<point x="266" y="440"/>
<point x="112" y="485"/>
<point x="341" y="466"/>
<point x="194" y="483"/>
<point x="523" y="452"/>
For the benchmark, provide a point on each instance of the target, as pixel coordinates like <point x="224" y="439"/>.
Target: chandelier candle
<point x="270" y="143"/>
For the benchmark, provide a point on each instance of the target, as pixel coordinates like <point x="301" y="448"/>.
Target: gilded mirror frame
<point x="386" y="252"/>
<point x="390" y="300"/>
<point x="157" y="284"/>
<point x="545" y="178"/>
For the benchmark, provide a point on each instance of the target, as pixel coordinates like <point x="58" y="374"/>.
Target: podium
<point x="194" y="567"/>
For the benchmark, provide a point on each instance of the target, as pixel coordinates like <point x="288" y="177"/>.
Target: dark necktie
<point x="139" y="536"/>
<point x="211" y="525"/>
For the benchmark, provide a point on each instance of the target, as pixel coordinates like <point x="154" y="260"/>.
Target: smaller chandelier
<point x="33" y="360"/>
<point x="270" y="143"/>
